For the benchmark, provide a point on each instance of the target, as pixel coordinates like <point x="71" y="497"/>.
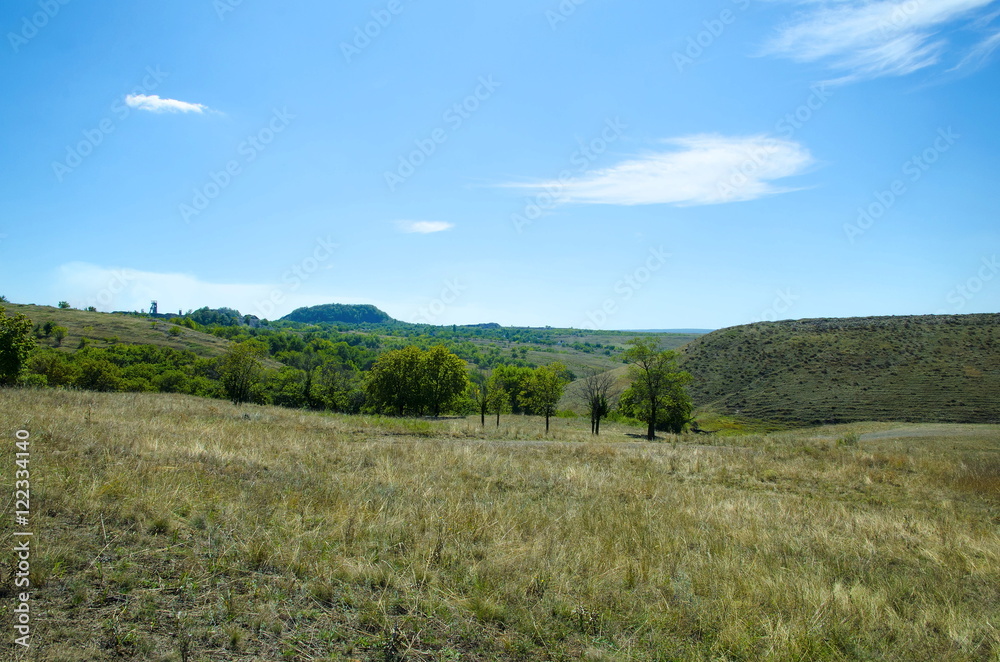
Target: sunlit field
<point x="177" y="528"/>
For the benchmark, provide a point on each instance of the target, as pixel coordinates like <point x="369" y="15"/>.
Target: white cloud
<point x="424" y="227"/>
<point x="864" y="39"/>
<point x="115" y="288"/>
<point x="155" y="104"/>
<point x="981" y="52"/>
<point x="700" y="170"/>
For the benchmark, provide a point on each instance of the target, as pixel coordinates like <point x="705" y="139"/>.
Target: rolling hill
<point x="933" y="368"/>
<point x="116" y="327"/>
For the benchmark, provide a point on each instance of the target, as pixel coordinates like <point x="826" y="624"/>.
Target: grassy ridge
<point x="173" y="528"/>
<point x="110" y="328"/>
<point x="926" y="368"/>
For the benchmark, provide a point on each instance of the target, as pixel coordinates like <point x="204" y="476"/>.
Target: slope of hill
<point x="115" y="327"/>
<point x="922" y="368"/>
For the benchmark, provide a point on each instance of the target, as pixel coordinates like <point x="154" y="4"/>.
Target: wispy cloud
<point x="155" y="104"/>
<point x="423" y="227"/>
<point x="699" y="170"/>
<point x="980" y="52"/>
<point x="865" y="39"/>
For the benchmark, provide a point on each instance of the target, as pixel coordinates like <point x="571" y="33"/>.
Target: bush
<point x="137" y="385"/>
<point x="99" y="375"/>
<point x="171" y="381"/>
<point x="618" y="417"/>
<point x="31" y="380"/>
<point x="56" y="368"/>
<point x="205" y="388"/>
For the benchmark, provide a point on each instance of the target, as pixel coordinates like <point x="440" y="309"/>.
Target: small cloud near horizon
<point x="423" y="227"/>
<point x="154" y="104"/>
<point x="108" y="289"/>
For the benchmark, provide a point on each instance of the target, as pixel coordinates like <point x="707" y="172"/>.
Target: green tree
<point x="444" y="379"/>
<point x="288" y="387"/>
<point x="657" y="394"/>
<point x="412" y="381"/>
<point x="59" y="334"/>
<point x="336" y="386"/>
<point x="16" y="343"/>
<point x="543" y="389"/>
<point x="597" y="394"/>
<point x="513" y="379"/>
<point x="64" y="305"/>
<point x="241" y="371"/>
<point x="501" y="403"/>
<point x="395" y="382"/>
<point x="488" y="395"/>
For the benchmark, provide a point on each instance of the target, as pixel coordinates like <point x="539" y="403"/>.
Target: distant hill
<point x="338" y="313"/>
<point x="924" y="368"/>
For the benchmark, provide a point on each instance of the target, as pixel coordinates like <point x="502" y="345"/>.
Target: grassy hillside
<point x="172" y="528"/>
<point x="926" y="368"/>
<point x="106" y="328"/>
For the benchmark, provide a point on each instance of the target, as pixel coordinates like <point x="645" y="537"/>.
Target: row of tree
<point x="416" y="382"/>
<point x="405" y="381"/>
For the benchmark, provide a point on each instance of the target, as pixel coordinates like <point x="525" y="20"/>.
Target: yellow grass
<point x="174" y="528"/>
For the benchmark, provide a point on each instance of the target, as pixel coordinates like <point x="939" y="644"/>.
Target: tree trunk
<point x="482" y="418"/>
<point x="597" y="428"/>
<point x="498" y="418"/>
<point x="546" y="422"/>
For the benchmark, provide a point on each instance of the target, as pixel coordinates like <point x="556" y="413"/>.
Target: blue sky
<point x="583" y="163"/>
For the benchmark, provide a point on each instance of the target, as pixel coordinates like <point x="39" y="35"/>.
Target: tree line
<point x="354" y="378"/>
<point x="415" y="382"/>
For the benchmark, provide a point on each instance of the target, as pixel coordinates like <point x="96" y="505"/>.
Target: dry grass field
<point x="175" y="528"/>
